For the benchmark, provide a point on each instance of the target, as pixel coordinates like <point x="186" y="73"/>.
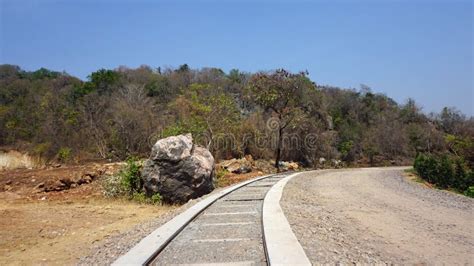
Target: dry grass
<point x="62" y="232"/>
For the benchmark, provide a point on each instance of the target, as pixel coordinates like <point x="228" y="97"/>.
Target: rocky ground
<point x="46" y="221"/>
<point x="378" y="216"/>
<point x="56" y="182"/>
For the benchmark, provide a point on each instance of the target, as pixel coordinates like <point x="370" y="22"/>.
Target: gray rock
<point x="178" y="170"/>
<point x="242" y="170"/>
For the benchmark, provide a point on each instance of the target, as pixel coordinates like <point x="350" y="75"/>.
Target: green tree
<point x="159" y="87"/>
<point x="101" y="81"/>
<point x="285" y="96"/>
<point x="204" y="111"/>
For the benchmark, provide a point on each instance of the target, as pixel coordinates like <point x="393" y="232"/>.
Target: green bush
<point x="461" y="177"/>
<point x="42" y="149"/>
<point x="112" y="186"/>
<point x="469" y="192"/>
<point x="445" y="171"/>
<point x="130" y="175"/>
<point x="128" y="183"/>
<point x="445" y="176"/>
<point x="64" y="154"/>
<point x="156" y="198"/>
<point x="426" y="167"/>
<point x="469" y="181"/>
<point x="345" y="147"/>
<point x="173" y="130"/>
<point x="220" y="180"/>
<point x="140" y="197"/>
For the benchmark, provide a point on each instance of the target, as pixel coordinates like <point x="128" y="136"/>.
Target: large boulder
<point x="178" y="170"/>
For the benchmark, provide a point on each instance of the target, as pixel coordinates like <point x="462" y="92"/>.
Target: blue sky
<point x="420" y="49"/>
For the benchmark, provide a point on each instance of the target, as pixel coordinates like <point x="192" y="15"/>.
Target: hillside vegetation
<point x="120" y="113"/>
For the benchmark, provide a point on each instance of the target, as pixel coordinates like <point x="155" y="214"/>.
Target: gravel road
<point x="376" y="215"/>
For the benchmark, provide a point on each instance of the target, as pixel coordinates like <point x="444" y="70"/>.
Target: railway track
<point x="226" y="230"/>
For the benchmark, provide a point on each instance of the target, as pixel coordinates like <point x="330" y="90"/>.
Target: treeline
<point x="122" y="112"/>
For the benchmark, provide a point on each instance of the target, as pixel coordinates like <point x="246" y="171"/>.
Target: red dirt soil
<point x="58" y="227"/>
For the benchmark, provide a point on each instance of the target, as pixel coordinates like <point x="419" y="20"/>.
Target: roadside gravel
<point x="378" y="216"/>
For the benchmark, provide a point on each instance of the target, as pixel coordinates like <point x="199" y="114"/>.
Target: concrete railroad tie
<point x="241" y="225"/>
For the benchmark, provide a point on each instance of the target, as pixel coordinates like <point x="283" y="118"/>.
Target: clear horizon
<point x="421" y="50"/>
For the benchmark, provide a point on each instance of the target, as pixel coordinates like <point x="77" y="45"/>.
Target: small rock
<point x="9" y="182"/>
<point x="242" y="170"/>
<point x="322" y="160"/>
<point x="293" y="166"/>
<point x="85" y="179"/>
<point x="95" y="174"/>
<point x="238" y="166"/>
<point x="66" y="181"/>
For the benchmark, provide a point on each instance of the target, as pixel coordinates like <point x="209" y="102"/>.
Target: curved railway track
<point x="225" y="230"/>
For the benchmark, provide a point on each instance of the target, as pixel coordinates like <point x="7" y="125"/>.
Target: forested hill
<point x="121" y="112"/>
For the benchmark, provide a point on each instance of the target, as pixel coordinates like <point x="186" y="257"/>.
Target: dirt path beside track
<point x="378" y="216"/>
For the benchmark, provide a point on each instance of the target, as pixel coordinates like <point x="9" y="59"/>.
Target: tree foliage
<point x="285" y="96"/>
<point x="118" y="113"/>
